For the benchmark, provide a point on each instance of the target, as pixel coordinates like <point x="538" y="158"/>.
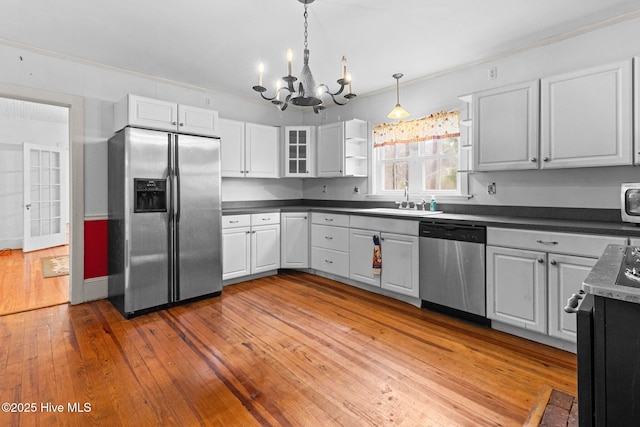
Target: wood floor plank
<point x="22" y="286"/>
<point x="288" y="350"/>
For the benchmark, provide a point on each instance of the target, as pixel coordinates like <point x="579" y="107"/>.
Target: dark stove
<point x="629" y="274"/>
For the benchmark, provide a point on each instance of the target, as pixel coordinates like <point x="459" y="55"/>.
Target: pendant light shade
<point x="398" y="112"/>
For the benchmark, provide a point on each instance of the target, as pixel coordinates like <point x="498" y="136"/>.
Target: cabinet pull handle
<point x="328" y="237"/>
<point x="328" y="219"/>
<point x="545" y="159"/>
<point x="266" y="219"/>
<point x="533" y="159"/>
<point x="572" y="303"/>
<point x="540" y="260"/>
<point x="547" y="242"/>
<point x="233" y="222"/>
<point x="553" y="262"/>
<point x="328" y="261"/>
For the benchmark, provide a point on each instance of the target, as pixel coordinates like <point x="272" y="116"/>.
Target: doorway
<point x="35" y="220"/>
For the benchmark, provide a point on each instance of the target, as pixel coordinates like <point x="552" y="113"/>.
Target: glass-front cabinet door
<point x="298" y="142"/>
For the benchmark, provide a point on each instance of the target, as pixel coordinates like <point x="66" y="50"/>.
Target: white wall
<point x="587" y="187"/>
<point x="13" y="133"/>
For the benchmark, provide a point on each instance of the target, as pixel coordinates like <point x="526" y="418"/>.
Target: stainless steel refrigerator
<point x="164" y="219"/>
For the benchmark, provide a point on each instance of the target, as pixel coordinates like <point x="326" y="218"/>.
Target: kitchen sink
<point x="400" y="212"/>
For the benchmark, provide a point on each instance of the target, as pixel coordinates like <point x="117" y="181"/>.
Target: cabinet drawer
<point x="265" y="218"/>
<point x="589" y="245"/>
<point x="336" y="238"/>
<point x="334" y="262"/>
<point x="233" y="221"/>
<point x="337" y="220"/>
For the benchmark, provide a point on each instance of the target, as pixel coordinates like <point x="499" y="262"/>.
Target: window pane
<point x="402" y="150"/>
<point x="402" y="175"/>
<point x="430" y="147"/>
<point x="389" y="152"/>
<point x="431" y="174"/>
<point x="388" y="181"/>
<point x="449" y="146"/>
<point x="448" y="174"/>
<point x="395" y="175"/>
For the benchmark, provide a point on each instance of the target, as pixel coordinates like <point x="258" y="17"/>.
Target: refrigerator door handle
<point x="176" y="234"/>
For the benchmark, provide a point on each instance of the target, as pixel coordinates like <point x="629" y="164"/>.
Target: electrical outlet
<point x="324" y="188"/>
<point x="207" y="102"/>
<point x="493" y="73"/>
<point x="491" y="188"/>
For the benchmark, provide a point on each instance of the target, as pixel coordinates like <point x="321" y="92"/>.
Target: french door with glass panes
<point x="43" y="197"/>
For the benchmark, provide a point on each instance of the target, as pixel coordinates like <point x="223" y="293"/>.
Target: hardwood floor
<point x="288" y="350"/>
<point x="22" y="286"/>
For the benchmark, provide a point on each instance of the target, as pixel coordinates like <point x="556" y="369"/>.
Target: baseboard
<point x="535" y="336"/>
<point x="11" y="243"/>
<point x="96" y="288"/>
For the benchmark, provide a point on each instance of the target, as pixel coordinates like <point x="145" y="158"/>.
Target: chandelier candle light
<point x="305" y="93"/>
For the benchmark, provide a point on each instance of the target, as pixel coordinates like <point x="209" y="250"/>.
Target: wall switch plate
<point x="491" y="188"/>
<point x="356" y="190"/>
<point x="493" y="73"/>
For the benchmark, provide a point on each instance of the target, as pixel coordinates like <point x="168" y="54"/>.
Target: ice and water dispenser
<point x="150" y="195"/>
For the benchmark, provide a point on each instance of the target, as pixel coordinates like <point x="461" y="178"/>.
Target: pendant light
<point x="398" y="112"/>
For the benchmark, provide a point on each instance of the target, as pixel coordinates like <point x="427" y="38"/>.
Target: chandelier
<point x="305" y="92"/>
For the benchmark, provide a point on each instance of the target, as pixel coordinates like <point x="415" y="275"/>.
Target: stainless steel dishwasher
<point x="452" y="269"/>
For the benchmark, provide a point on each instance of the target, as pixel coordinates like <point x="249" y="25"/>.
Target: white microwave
<point x="630" y="202"/>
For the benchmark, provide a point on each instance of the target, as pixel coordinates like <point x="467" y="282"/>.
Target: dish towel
<point x="376" y="266"/>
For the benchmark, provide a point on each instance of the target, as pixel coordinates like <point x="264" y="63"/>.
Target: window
<point x="422" y="155"/>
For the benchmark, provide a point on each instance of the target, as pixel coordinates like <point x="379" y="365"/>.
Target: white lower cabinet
<point x="399" y="272"/>
<point x="330" y="243"/>
<point x="294" y="239"/>
<point x="531" y="274"/>
<point x="564" y="272"/>
<point x="250" y="244"/>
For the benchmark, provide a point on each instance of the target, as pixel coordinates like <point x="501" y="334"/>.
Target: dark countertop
<point x="545" y="224"/>
<point x="602" y="278"/>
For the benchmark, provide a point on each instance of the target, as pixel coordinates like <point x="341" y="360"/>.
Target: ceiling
<point x="218" y="44"/>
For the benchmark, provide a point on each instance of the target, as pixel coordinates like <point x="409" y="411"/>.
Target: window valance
<point x="444" y="124"/>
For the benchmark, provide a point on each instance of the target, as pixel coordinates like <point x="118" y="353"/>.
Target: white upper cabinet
<point x="197" y="121"/>
<point x="151" y="113"/>
<point x="342" y="148"/>
<point x="586" y="117"/>
<point x="505" y="127"/>
<point x="331" y="150"/>
<point x="248" y="150"/>
<point x="231" y="148"/>
<point x="261" y="151"/>
<point x="299" y="151"/>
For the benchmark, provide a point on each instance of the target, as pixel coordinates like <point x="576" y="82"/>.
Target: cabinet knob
<point x="553" y="262"/>
<point x="540" y="260"/>
<point x="545" y="159"/>
<point x="174" y="123"/>
<point x="248" y="232"/>
<point x="533" y="159"/>
<point x="181" y="124"/>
